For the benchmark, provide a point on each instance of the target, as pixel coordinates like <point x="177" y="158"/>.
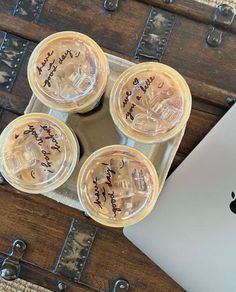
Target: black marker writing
<point x="126" y="99"/>
<point x="47" y="162"/>
<point x="63" y="56"/>
<point x="109" y="173"/>
<point x="147" y="84"/>
<point x="50" y="65"/>
<point x="51" y="74"/>
<point x="113" y="203"/>
<point x="43" y="64"/>
<point x="51" y="136"/>
<point x="33" y="132"/>
<point x="129" y="113"/>
<point x="97" y="193"/>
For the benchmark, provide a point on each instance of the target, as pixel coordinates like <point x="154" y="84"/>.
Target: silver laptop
<point x="191" y="234"/>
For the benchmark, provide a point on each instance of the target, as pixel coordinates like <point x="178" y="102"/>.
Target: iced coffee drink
<point x="38" y="153"/>
<point x="150" y="102"/>
<point x="68" y="72"/>
<point x="118" y="186"/>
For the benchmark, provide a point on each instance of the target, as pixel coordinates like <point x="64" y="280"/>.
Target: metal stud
<point x="231" y="100"/>
<point x="61" y="286"/>
<point x="111" y="5"/>
<point x="120" y="285"/>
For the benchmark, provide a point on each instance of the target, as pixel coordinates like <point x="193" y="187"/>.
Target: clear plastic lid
<point x="150" y="102"/>
<point x="68" y="71"/>
<point x="38" y="153"/>
<point x="118" y="185"/>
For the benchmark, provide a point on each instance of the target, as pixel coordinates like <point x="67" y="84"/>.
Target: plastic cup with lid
<point x="38" y="153"/>
<point x="68" y="71"/>
<point x="117" y="186"/>
<point x="150" y="102"/>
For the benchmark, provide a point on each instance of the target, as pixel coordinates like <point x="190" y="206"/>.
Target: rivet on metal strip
<point x="111" y="5"/>
<point x="120" y="285"/>
<point x="75" y="251"/>
<point x="156" y="34"/>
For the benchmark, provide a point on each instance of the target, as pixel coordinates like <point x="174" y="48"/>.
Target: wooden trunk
<point x="210" y="72"/>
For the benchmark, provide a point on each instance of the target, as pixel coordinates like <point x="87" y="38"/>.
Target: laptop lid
<point x="191" y="233"/>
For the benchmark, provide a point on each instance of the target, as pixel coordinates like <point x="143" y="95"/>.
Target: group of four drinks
<point x="149" y="103"/>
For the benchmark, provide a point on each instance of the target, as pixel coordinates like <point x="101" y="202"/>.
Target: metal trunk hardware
<point x="12" y="51"/>
<point x="120" y="285"/>
<point x="28" y="9"/>
<point x="13" y="48"/>
<point x="76" y="250"/>
<point x="110" y="5"/>
<point x="155" y="35"/>
<point x="231" y="100"/>
<point x="222" y="19"/>
<point x="10" y="267"/>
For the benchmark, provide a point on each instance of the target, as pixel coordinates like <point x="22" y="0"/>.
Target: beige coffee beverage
<point x="38" y="153"/>
<point x="68" y="72"/>
<point x="150" y="102"/>
<point x="118" y="186"/>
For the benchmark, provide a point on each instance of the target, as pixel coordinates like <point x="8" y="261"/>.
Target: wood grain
<point x="190" y="9"/>
<point x="188" y="52"/>
<point x="24" y="28"/>
<point x="203" y="71"/>
<point x="42" y="222"/>
<point x="8" y="6"/>
<point x="117" y="31"/>
<point x="112" y="256"/>
<point x="32" y="224"/>
<point x="48" y="279"/>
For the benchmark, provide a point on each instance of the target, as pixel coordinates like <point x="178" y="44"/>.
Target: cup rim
<point x="67" y="106"/>
<point x="136" y="136"/>
<point x="58" y="180"/>
<point x="140" y="214"/>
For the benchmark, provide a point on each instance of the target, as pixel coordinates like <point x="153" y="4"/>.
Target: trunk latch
<point x="222" y="19"/>
<point x="10" y="267"/>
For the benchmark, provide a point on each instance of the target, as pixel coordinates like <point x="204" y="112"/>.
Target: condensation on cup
<point x="68" y="71"/>
<point x="38" y="153"/>
<point x="118" y="186"/>
<point x="150" y="102"/>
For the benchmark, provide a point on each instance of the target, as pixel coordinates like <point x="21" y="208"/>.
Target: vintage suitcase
<point x="37" y="234"/>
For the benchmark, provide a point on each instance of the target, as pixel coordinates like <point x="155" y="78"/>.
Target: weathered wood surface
<point x="190" y="9"/>
<point x="42" y="222"/>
